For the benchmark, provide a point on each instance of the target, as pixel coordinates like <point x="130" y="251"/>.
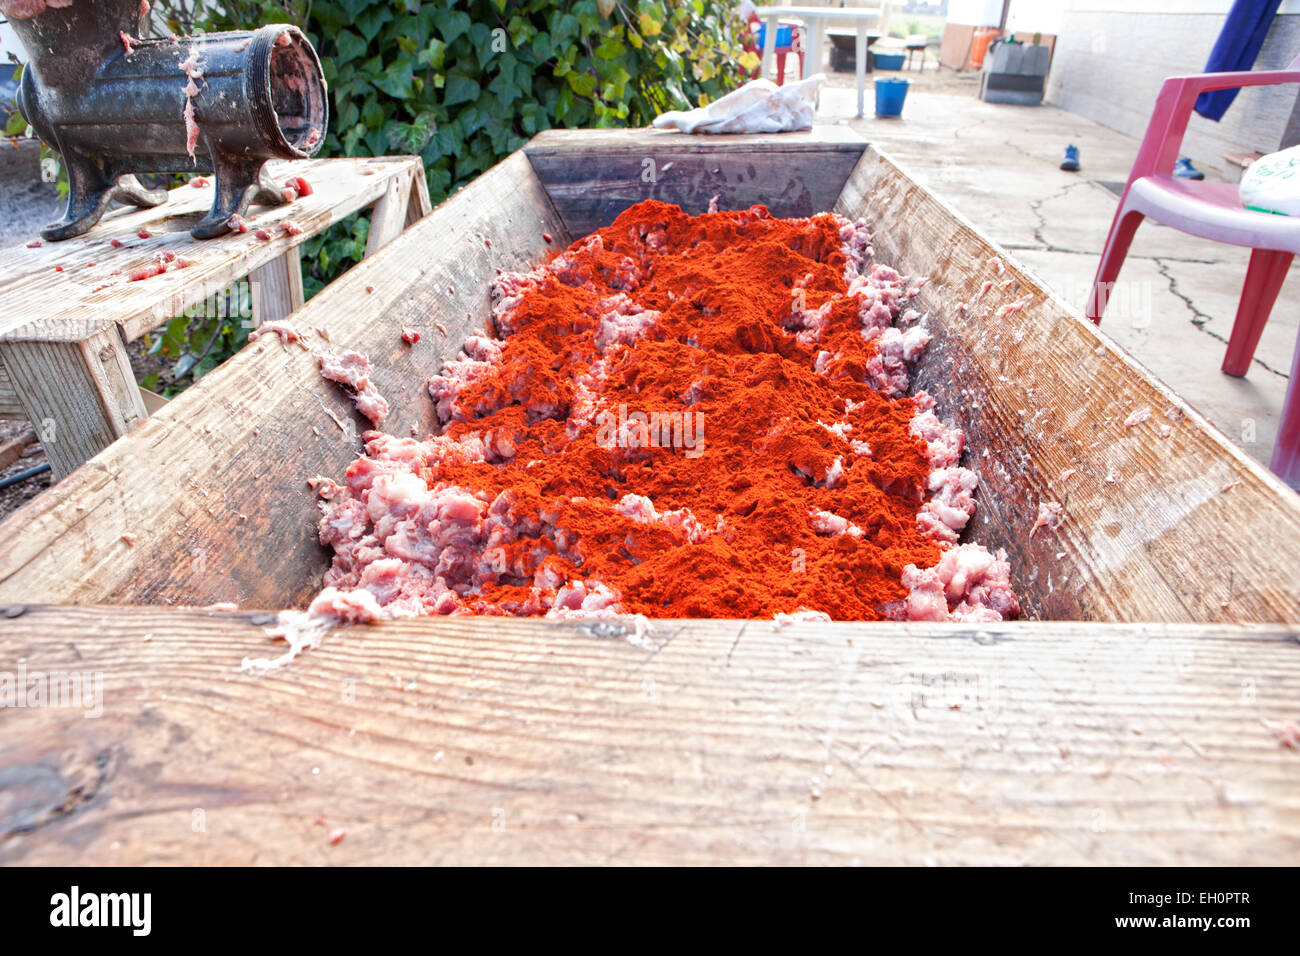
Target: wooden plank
<point x="418" y="206"/>
<point x="41" y="302"/>
<point x="230" y="517"/>
<point x="1189" y="528"/>
<point x="955" y="47"/>
<point x="48" y="302"/>
<point x="472" y="741"/>
<point x="389" y="216"/>
<point x="593" y="175"/>
<point x="277" y="287"/>
<point x="10" y="407"/>
<point x="81" y="393"/>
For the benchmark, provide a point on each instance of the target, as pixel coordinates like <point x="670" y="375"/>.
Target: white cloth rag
<point x="760" y="106"/>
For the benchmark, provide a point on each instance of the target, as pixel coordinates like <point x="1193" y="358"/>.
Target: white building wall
<point x="1111" y="58"/>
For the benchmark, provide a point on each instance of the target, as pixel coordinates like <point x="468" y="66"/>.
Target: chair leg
<point x="1286" y="451"/>
<point x="802" y="68"/>
<point x="1122" y="229"/>
<point x="1264" y="280"/>
<point x="780" y="69"/>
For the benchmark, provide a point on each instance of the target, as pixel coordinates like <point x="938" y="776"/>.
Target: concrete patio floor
<point x="1177" y="295"/>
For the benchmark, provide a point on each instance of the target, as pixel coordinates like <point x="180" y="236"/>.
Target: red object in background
<point x="753" y="43"/>
<point x="979" y="46"/>
<point x="1211" y="211"/>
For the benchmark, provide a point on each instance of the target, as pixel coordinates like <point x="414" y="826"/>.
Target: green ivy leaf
<point x="16" y="125"/>
<point x="373" y="18"/>
<point x="396" y="80"/>
<point x="460" y="89"/>
<point x="410" y="137"/>
<point x="184" y="364"/>
<point x="433" y="54"/>
<point x="584" y="84"/>
<point x="350" y="46"/>
<point x="451" y="24"/>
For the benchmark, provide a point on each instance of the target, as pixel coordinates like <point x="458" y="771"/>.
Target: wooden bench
<point x="67" y="309"/>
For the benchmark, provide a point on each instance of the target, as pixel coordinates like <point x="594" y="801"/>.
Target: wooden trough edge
<point x="793" y="174"/>
<point x="1258" y="470"/>
<point x="1155" y="544"/>
<point x="462" y="740"/>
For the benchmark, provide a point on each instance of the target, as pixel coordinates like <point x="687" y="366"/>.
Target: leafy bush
<point x="465" y="84"/>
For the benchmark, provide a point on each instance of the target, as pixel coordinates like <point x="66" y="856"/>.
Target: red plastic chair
<point x="754" y="43"/>
<point x="1212" y="211"/>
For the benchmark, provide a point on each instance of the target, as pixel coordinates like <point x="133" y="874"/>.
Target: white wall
<point x="1037" y="16"/>
<point x="1109" y="63"/>
<point x="1166" y="6"/>
<point x="977" y="13"/>
<point x="1030" y="16"/>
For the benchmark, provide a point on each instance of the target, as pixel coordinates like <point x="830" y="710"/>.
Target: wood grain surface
<point x="39" y="303"/>
<point x="1183" y="528"/>
<point x="10" y="407"/>
<point x="68" y="309"/>
<point x="593" y="175"/>
<point x="463" y="740"/>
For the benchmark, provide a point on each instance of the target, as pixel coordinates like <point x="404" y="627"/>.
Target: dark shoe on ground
<point x="1070" y="162"/>
<point x="1184" y="169"/>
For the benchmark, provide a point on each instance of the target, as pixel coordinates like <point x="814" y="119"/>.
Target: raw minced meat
<point x="352" y="369"/>
<point x="571" y="476"/>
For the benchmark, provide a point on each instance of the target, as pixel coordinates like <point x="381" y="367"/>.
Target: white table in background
<point x="815" y="18"/>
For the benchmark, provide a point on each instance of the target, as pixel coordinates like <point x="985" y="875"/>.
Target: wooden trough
<point x="1126" y="720"/>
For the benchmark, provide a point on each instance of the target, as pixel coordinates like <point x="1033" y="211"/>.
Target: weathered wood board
<point x="214" y="487"/>
<point x="596" y="174"/>
<point x="10" y="407"/>
<point x="37" y="302"/>
<point x="67" y="309"/>
<point x="1183" y="528"/>
<point x="530" y="742"/>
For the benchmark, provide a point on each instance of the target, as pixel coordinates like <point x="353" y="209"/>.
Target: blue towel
<point x="1239" y="42"/>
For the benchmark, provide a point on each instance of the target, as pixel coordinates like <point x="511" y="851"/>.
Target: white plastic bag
<point x="760" y="106"/>
<point x="1272" y="183"/>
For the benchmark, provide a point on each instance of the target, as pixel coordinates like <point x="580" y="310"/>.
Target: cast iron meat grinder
<point x="114" y="106"/>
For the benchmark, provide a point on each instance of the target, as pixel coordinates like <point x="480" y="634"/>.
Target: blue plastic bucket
<point x="890" y="94"/>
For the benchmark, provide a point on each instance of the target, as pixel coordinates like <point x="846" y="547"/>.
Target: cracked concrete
<point x="1174" y="303"/>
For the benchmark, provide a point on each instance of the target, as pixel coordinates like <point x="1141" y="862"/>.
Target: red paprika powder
<point x="723" y="286"/>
